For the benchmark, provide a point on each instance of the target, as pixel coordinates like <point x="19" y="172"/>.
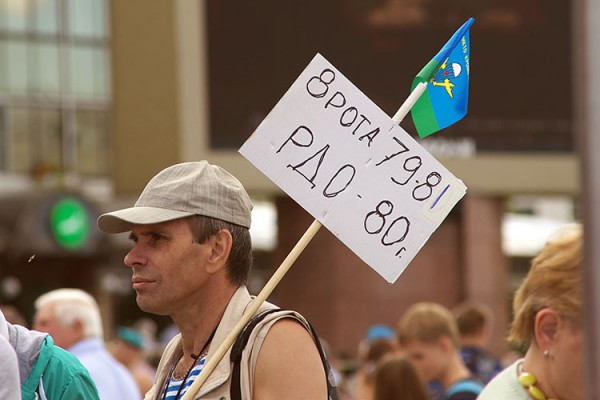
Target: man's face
<point x="167" y="266"/>
<point x="64" y="335"/>
<point x="429" y="359"/>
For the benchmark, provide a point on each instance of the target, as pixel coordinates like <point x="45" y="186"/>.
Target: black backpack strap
<point x="332" y="391"/>
<point x="238" y="348"/>
<point x="242" y="341"/>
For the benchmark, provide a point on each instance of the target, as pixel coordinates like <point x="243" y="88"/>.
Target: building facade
<point x="182" y="81"/>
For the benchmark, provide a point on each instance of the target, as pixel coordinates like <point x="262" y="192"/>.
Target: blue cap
<point x="379" y="332"/>
<point x="130" y="336"/>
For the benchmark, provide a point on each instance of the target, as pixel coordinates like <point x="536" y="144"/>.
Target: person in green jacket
<point x="46" y="371"/>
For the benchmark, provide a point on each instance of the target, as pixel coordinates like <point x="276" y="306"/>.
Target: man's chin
<point x="148" y="306"/>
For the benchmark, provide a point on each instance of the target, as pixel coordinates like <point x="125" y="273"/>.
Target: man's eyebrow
<point x="152" y="232"/>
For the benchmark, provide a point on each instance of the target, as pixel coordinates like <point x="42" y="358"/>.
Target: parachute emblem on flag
<point x="446" y="73"/>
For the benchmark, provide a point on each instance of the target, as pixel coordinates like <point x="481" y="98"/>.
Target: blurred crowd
<point x="432" y="353"/>
<point x="436" y="353"/>
<point x="122" y="367"/>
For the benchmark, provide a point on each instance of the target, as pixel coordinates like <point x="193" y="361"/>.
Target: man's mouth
<point x="140" y="283"/>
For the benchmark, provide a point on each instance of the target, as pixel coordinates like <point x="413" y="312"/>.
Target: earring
<point x="546" y="354"/>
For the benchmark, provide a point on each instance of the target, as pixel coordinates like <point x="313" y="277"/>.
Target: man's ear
<point x="545" y="327"/>
<point x="78" y="330"/>
<point x="445" y="344"/>
<point x="220" y="248"/>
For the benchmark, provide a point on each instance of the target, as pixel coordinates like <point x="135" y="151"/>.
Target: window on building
<point x="54" y="86"/>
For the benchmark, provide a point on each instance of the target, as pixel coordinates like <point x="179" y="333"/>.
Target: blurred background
<point x="96" y="96"/>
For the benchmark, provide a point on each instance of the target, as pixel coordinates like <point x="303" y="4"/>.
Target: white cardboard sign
<point x="339" y="156"/>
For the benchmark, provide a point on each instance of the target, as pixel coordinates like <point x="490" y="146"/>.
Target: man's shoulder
<point x="62" y="361"/>
<point x="283" y="355"/>
<point x="290" y="325"/>
<point x="277" y="314"/>
<point x="273" y="325"/>
<point x="289" y="362"/>
<point x="63" y="373"/>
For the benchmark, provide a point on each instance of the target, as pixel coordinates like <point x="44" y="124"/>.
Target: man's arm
<point x="288" y="365"/>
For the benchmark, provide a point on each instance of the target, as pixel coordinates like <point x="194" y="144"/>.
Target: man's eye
<point x="154" y="237"/>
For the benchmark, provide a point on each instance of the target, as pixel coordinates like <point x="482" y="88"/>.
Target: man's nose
<point x="134" y="257"/>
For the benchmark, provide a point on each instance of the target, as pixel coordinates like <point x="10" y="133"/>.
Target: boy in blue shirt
<point x="428" y="334"/>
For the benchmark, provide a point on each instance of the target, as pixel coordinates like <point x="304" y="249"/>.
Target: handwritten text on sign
<point x="348" y="164"/>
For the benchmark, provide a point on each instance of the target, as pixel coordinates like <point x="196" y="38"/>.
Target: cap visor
<point x="122" y="220"/>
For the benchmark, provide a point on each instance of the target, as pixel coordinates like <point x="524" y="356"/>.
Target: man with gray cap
<point x="190" y="260"/>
